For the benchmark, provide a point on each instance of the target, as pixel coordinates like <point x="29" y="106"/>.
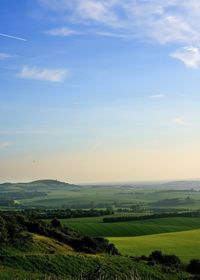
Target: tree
<point x="194" y="266"/>
<point x="55" y="223"/>
<point x="3" y="231"/>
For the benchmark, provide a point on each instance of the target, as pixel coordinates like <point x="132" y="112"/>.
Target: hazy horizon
<point x="99" y="91"/>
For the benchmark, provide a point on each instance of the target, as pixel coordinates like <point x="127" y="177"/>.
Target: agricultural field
<point x="184" y="244"/>
<point x="173" y="235"/>
<point x="95" y="226"/>
<point x="117" y="197"/>
<point x="57" y="253"/>
<point x="51" y="193"/>
<point x="179" y="236"/>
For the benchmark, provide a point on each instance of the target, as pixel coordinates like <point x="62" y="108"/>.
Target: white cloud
<point x="84" y="10"/>
<point x="157" y="96"/>
<point x="62" y="32"/>
<point x="99" y="11"/>
<point x="162" y="20"/>
<point x="181" y="122"/>
<point x="5" y="145"/>
<point x="190" y="56"/>
<point x="5" y="55"/>
<point x="45" y="74"/>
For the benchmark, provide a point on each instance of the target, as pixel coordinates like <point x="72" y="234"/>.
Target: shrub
<point x="167" y="260"/>
<point x="194" y="267"/>
<point x="15" y="230"/>
<point x="55" y="223"/>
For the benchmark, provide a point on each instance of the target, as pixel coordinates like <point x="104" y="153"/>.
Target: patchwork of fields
<point x="179" y="236"/>
<point x="174" y="235"/>
<point x="51" y="193"/>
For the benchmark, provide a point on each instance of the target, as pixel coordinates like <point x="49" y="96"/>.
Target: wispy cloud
<point x="190" y="56"/>
<point x="158" y="96"/>
<point x="181" y="122"/>
<point x="170" y="21"/>
<point x="163" y="21"/>
<point x="61" y="32"/>
<point x="44" y="74"/>
<point x="5" y="56"/>
<point x="5" y="145"/>
<point x="112" y="34"/>
<point x="12" y="37"/>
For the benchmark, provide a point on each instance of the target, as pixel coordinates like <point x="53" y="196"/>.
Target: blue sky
<point x="95" y="90"/>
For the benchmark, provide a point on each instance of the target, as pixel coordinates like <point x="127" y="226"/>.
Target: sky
<point x="99" y="90"/>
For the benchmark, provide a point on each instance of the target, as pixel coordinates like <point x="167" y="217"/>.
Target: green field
<point x="101" y="197"/>
<point x="95" y="227"/>
<point x="51" y="193"/>
<point x="179" y="236"/>
<point x="172" y="235"/>
<point x="184" y="244"/>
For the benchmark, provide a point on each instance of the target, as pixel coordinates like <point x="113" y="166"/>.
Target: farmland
<point x="95" y="226"/>
<point x="179" y="236"/>
<point x="42" y="251"/>
<point x="51" y="193"/>
<point x="173" y="235"/>
<point x="184" y="244"/>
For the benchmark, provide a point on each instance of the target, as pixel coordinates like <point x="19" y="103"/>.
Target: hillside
<point x="38" y="185"/>
<point x="66" y="267"/>
<point x="35" y="250"/>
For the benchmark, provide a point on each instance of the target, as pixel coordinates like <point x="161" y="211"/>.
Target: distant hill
<point x="55" y="194"/>
<point x="39" y="185"/>
<point x="190" y="184"/>
<point x="16" y="194"/>
<point x="51" y="182"/>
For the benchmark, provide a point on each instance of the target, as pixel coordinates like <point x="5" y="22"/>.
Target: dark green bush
<point x="194" y="267"/>
<point x="167" y="260"/>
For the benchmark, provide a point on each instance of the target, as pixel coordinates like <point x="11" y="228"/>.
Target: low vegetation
<point x="185" y="244"/>
<point x="32" y="249"/>
<point x="16" y="231"/>
<point x="149" y="234"/>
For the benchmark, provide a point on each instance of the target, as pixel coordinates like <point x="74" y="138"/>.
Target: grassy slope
<point x="184" y="244"/>
<point x="42" y="245"/>
<point x="94" y="226"/>
<point x="79" y="268"/>
<point x="48" y="257"/>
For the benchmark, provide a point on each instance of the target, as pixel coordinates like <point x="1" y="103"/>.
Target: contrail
<point x="12" y="37"/>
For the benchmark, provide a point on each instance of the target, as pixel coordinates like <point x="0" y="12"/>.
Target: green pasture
<point x="115" y="196"/>
<point x="184" y="244"/>
<point x="95" y="226"/>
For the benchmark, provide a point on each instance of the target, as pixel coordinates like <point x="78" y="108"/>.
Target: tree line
<point x="148" y="217"/>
